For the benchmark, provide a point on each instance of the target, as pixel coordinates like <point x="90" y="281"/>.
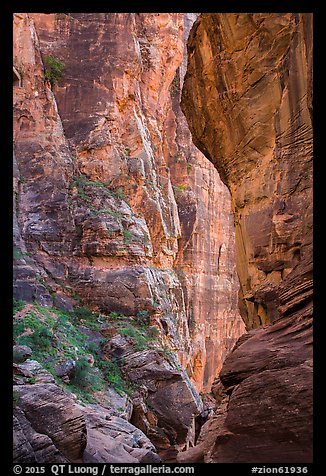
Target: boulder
<point x="66" y="369"/>
<point x="30" y="446"/>
<point x="32" y="371"/>
<point x="21" y="353"/>
<point x="111" y="439"/>
<point x="51" y="412"/>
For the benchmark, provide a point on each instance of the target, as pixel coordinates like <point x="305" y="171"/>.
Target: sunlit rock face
<point x="248" y="102"/>
<point x="114" y="202"/>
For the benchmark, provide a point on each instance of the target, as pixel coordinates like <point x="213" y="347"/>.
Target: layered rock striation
<point x="133" y="217"/>
<point x="248" y="101"/>
<point x="116" y="209"/>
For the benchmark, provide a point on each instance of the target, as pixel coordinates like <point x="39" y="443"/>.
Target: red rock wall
<point x="115" y="204"/>
<point x="248" y="102"/>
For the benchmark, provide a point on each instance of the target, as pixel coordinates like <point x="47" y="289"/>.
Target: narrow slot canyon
<point x="162" y="238"/>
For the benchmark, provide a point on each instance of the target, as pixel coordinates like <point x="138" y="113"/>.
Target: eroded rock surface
<point x="165" y="402"/>
<point x="47" y="415"/>
<point x="111" y="439"/>
<point x="50" y="427"/>
<point x="247" y="98"/>
<point x="112" y="201"/>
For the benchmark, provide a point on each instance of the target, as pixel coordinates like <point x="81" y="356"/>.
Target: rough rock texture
<point x="44" y="409"/>
<point x="166" y="402"/>
<point x="21" y="353"/>
<point x="50" y="427"/>
<point x="111" y="439"/>
<point x="41" y="215"/>
<point x="248" y="101"/>
<point x="114" y="203"/>
<point x="29" y="446"/>
<point x="31" y="369"/>
<point x="250" y="77"/>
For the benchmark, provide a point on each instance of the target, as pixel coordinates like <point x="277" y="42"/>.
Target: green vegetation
<point x="113" y="375"/>
<point x="56" y="336"/>
<point x="127" y="236"/>
<point x="117" y="315"/>
<point x="180" y="188"/>
<point x="166" y="351"/>
<point x="115" y="213"/>
<point x="87" y="377"/>
<point x="82" y="315"/>
<point x="19" y="254"/>
<point x="18" y="305"/>
<point x="119" y="193"/>
<point x="137" y="337"/>
<point x="189" y="168"/>
<point x="140" y="335"/>
<point x="142" y="317"/>
<point x="54" y="69"/>
<point x="177" y="158"/>
<point x="83" y="181"/>
<point x="84" y="189"/>
<point x="40" y="339"/>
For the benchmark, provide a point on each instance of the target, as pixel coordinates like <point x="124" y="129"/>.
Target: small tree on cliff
<point x="54" y="69"/>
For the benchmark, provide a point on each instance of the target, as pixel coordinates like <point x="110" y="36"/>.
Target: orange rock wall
<point x="248" y="102"/>
<point x="254" y="97"/>
<point x="159" y="235"/>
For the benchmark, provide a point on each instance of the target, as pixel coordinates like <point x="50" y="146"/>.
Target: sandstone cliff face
<point x="159" y="236"/>
<point x="248" y="102"/>
<point x="114" y="206"/>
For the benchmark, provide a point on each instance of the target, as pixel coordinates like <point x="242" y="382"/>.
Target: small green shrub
<point x="138" y="339"/>
<point x="54" y="69"/>
<point x="19" y="254"/>
<point x="86" y="377"/>
<point x="83" y="315"/>
<point x="18" y="305"/>
<point x="116" y="214"/>
<point x="18" y="329"/>
<point x="113" y="376"/>
<point x="95" y="349"/>
<point x="142" y="317"/>
<point x="189" y="168"/>
<point x="180" y="188"/>
<point x="166" y="351"/>
<point x="41" y="339"/>
<point x="153" y="332"/>
<point x="116" y="315"/>
<point x="127" y="236"/>
<point x="119" y="193"/>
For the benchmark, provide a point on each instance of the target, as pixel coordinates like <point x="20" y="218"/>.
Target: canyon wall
<point x="160" y="236"/>
<point x="248" y="101"/>
<point x="115" y="208"/>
